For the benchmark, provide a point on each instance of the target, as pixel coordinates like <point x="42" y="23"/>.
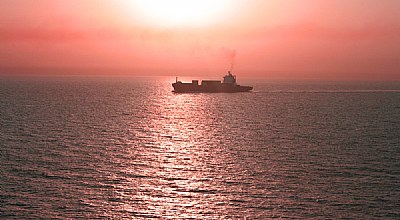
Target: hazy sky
<point x="296" y="39"/>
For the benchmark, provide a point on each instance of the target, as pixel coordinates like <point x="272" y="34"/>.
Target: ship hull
<point x="219" y="88"/>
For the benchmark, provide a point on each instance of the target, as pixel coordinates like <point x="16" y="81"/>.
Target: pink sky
<point x="276" y="39"/>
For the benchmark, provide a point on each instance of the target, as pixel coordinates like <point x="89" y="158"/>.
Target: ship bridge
<point x="230" y="79"/>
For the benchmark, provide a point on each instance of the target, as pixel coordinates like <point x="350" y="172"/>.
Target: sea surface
<point x="114" y="148"/>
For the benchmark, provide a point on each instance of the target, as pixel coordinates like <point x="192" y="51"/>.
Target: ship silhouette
<point x="229" y="85"/>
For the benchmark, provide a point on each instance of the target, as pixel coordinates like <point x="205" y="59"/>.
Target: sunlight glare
<point x="180" y="12"/>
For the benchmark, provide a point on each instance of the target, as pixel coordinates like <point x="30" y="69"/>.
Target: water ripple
<point x="132" y="149"/>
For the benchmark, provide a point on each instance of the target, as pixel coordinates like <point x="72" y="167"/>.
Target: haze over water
<point x="130" y="148"/>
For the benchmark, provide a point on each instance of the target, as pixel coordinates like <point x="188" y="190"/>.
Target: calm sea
<point x="130" y="148"/>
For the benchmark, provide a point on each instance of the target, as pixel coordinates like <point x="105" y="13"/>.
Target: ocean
<point x="114" y="148"/>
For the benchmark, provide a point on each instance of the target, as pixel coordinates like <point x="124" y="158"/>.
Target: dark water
<point x="129" y="148"/>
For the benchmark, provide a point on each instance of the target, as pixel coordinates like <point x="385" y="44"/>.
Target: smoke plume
<point x="230" y="55"/>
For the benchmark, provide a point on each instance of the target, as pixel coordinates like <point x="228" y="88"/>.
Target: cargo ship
<point x="228" y="85"/>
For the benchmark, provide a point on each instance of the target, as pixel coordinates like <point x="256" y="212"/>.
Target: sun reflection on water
<point x="177" y="179"/>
